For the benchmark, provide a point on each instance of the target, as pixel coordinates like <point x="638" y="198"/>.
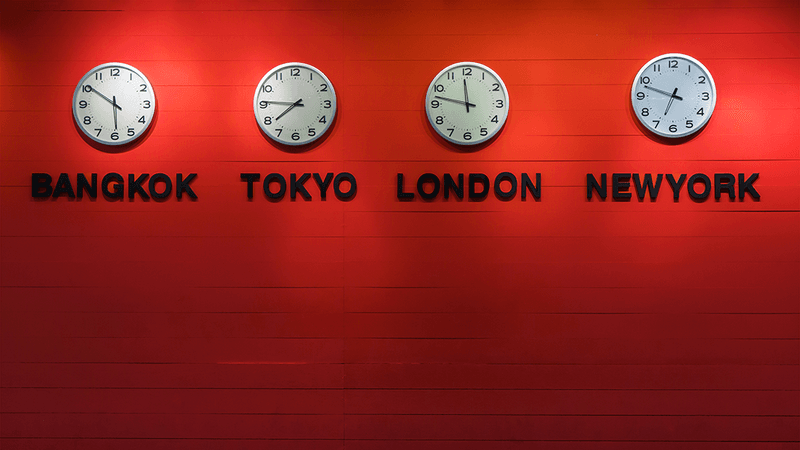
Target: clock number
<point x="644" y="80"/>
<point x="312" y="132"/>
<point x="438" y="87"/>
<point x="495" y="87"/>
<point x="146" y="104"/>
<point x="279" y="131"/>
<point x="657" y="122"/>
<point x="267" y="120"/>
<point x="434" y="104"/>
<point x="267" y="88"/>
<point x="279" y="76"/>
<point x="451" y="76"/>
<point x="141" y="119"/>
<point x="467" y="136"/>
<point x="494" y="119"/>
<point x="295" y="136"/>
<point x="83" y="104"/>
<point x="451" y="131"/>
<point x="327" y="104"/>
<point x="295" y="72"/>
<point x="673" y="128"/>
<point x="656" y="67"/>
<point x="323" y="87"/>
<point x="466" y="71"/>
<point x="142" y="88"/>
<point x="262" y="104"/>
<point x="702" y="80"/>
<point x="87" y="120"/>
<point x="645" y="112"/>
<point x="98" y="76"/>
<point x="700" y="112"/>
<point x="640" y="95"/>
<point x="673" y="64"/>
<point x="131" y="131"/>
<point x="87" y="88"/>
<point x="439" y="120"/>
<point x="99" y="130"/>
<point x="689" y="124"/>
<point x="484" y="131"/>
<point x="114" y="72"/>
<point x="115" y="136"/>
<point x="499" y="103"/>
<point x="323" y="120"/>
<point x="705" y="96"/>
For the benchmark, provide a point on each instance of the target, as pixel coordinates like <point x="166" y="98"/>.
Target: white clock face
<point x="294" y="104"/>
<point x="467" y="103"/>
<point x="673" y="95"/>
<point x="114" y="104"/>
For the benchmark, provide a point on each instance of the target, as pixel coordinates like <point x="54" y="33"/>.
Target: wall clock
<point x="294" y="104"/>
<point x="673" y="95"/>
<point x="467" y="103"/>
<point x="114" y="104"/>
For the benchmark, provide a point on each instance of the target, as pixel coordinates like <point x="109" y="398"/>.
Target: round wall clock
<point x="673" y="95"/>
<point x="294" y="104"/>
<point x="467" y="103"/>
<point x="113" y="104"/>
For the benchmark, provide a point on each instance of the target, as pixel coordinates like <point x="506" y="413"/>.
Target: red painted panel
<point x="563" y="322"/>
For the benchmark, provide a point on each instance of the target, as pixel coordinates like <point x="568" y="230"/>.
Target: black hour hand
<point x="454" y="101"/>
<point x="108" y="99"/>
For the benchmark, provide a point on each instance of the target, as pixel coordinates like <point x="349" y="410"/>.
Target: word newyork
<point x="621" y="184"/>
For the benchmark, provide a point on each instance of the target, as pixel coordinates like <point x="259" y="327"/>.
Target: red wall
<point x="376" y="324"/>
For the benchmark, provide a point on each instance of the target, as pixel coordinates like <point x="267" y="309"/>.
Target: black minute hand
<point x="466" y="95"/>
<point x="114" y="104"/>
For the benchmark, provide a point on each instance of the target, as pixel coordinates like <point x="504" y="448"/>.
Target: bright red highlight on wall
<point x="375" y="323"/>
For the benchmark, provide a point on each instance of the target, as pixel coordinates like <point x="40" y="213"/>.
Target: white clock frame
<point x="665" y="131"/>
<point x="78" y="95"/>
<point x="331" y="96"/>
<point x="431" y="95"/>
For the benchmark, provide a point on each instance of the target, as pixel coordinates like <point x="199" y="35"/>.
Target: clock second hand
<point x="297" y="103"/>
<point x="114" y="108"/>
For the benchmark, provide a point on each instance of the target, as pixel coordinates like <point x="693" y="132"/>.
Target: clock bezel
<point x="78" y="89"/>
<point x="334" y="109"/>
<point x="711" y="84"/>
<point x="484" y="138"/>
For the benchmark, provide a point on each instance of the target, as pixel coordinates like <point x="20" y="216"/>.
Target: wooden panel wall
<point x="374" y="324"/>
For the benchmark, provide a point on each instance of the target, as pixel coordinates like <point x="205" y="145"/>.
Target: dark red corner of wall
<point x="561" y="323"/>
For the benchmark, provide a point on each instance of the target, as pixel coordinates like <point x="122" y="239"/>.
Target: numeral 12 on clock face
<point x="673" y="95"/>
<point x="114" y="104"/>
<point x="294" y="104"/>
